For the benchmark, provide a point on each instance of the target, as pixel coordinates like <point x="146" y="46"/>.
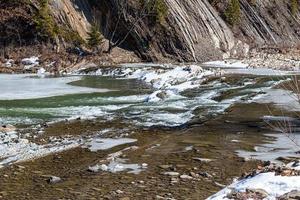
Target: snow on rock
<point x="42" y="72"/>
<point x="269" y="183"/>
<point x="14" y="148"/>
<point x="294" y="165"/>
<point x="9" y="63"/>
<point x="30" y="62"/>
<point x="118" y="165"/>
<point x="274" y="186"/>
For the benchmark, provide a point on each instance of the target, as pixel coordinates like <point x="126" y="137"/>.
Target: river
<point x="175" y="114"/>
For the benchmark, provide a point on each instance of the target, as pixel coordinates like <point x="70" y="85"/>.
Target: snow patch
<point x="119" y="165"/>
<point x="275" y="186"/>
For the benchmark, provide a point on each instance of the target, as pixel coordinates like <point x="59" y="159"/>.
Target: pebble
<point x="193" y="174"/>
<point x="206" y="160"/>
<point x="21" y="167"/>
<point x="171" y="173"/>
<point x="186" y="177"/>
<point x="205" y="174"/>
<point x="220" y="185"/>
<point x="125" y="198"/>
<point x="174" y="180"/>
<point x="165" y="166"/>
<point x="144" y="165"/>
<point x="54" y="180"/>
<point x="119" y="192"/>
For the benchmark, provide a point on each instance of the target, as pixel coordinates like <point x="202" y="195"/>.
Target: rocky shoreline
<point x="270" y="58"/>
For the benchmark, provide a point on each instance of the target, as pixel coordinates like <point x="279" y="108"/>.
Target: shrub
<point x="158" y="8"/>
<point x="95" y="38"/>
<point x="233" y="12"/>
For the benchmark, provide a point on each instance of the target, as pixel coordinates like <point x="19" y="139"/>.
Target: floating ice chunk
<point x="96" y="144"/>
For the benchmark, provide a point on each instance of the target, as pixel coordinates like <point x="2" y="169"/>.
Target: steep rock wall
<point x="193" y="30"/>
<point x="75" y="14"/>
<point x="268" y="22"/>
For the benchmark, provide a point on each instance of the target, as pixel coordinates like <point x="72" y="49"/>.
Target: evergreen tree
<point x="95" y="37"/>
<point x="294" y="7"/>
<point x="233" y="12"/>
<point x="44" y="21"/>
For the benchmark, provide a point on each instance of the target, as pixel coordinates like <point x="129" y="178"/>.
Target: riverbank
<point x="68" y="62"/>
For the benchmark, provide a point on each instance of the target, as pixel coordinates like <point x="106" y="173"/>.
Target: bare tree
<point x="286" y="125"/>
<point x="122" y="11"/>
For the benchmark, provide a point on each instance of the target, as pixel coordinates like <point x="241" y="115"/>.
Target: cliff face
<point x="193" y="30"/>
<point x="269" y="22"/>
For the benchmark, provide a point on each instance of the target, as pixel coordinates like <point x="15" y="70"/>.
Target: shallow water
<point x="28" y="100"/>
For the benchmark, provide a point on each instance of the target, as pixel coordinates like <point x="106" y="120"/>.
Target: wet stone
<point x="171" y="173"/>
<point x="186" y="177"/>
<point x="54" y="180"/>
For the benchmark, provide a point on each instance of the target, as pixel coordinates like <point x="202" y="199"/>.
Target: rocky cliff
<point x="192" y="30"/>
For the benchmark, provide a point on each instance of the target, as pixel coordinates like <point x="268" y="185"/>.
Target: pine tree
<point x="44" y="21"/>
<point x="294" y="7"/>
<point x="233" y="12"/>
<point x="95" y="38"/>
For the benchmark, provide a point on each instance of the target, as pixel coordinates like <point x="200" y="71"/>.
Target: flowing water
<point x="167" y="110"/>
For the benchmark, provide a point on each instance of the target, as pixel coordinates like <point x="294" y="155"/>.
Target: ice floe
<point x="282" y="98"/>
<point x="226" y="64"/>
<point x="280" y="145"/>
<point x="26" y="87"/>
<point x="96" y="144"/>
